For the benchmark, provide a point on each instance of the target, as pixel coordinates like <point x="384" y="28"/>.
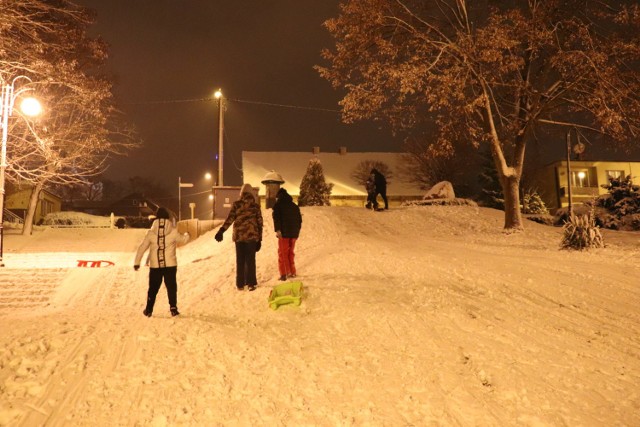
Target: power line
<point x="298" y="107"/>
<point x="240" y="101"/>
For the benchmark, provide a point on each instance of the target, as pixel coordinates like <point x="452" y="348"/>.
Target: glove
<point x="278" y="234"/>
<point x="136" y="267"/>
<point x="219" y="235"/>
<point x="258" y="246"/>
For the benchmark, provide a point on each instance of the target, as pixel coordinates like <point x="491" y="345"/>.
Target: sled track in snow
<point x="28" y="289"/>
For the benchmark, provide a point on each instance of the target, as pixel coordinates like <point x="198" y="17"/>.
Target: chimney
<point x="316" y="150"/>
<point x="343" y="151"/>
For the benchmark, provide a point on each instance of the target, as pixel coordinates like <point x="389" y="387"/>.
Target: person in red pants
<point x="287" y="222"/>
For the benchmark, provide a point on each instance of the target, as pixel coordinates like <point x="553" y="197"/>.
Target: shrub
<point x="138" y="222"/>
<point x="581" y="232"/>
<point x="622" y="204"/>
<point x="440" y="202"/>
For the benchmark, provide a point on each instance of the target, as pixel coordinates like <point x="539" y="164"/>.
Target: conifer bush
<point x="314" y="191"/>
<point x="532" y="204"/>
<point x="622" y="204"/>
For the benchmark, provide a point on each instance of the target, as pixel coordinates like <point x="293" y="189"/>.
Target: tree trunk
<point x="511" y="191"/>
<point x="31" y="210"/>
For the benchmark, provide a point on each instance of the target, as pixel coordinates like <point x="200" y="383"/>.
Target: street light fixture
<point x="220" y="98"/>
<point x="29" y="107"/>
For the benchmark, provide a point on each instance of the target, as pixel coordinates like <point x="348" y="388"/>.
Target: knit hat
<point x="162" y="213"/>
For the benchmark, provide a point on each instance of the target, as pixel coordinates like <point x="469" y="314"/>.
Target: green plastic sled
<point x="285" y="293"/>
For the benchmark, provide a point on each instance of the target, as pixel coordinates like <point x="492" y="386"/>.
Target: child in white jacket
<point x="161" y="240"/>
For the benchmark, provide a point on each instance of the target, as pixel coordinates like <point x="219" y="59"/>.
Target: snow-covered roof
<point x="337" y="169"/>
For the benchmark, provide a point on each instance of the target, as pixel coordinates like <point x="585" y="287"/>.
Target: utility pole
<point x="569" y="172"/>
<point x="220" y="98"/>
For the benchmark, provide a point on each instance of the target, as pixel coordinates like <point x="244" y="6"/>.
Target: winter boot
<point x="147" y="312"/>
<point x="174" y="311"/>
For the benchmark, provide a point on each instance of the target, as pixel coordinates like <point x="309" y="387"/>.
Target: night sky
<point x="163" y="52"/>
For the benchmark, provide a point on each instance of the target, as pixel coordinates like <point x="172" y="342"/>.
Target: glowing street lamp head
<point x="31" y="107"/>
<point x="581" y="175"/>
<point x="218" y="94"/>
<point x="207" y="176"/>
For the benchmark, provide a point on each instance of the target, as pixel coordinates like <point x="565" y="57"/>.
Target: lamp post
<point x="29" y="107"/>
<point x="220" y="99"/>
<point x="209" y="177"/>
<point x="180" y="186"/>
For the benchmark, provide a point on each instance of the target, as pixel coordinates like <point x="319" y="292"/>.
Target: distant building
<point x="337" y="168"/>
<point x="134" y="204"/>
<point x="586" y="177"/>
<point x="17" y="203"/>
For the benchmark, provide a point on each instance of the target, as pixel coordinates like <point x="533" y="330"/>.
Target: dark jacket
<point x="380" y="181"/>
<point x="286" y="215"/>
<point x="370" y="185"/>
<point x="246" y="217"/>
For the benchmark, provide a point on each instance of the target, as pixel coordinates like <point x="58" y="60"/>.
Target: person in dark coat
<point x="370" y="186"/>
<point x="381" y="186"/>
<point x="161" y="241"/>
<point x="246" y="217"/>
<point x="287" y="222"/>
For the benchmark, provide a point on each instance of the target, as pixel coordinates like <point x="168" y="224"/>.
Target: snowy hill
<point x="414" y="316"/>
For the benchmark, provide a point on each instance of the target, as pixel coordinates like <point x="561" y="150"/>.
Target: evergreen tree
<point x="491" y="192"/>
<point x="314" y="191"/>
<point x="622" y="204"/>
<point x="533" y="204"/>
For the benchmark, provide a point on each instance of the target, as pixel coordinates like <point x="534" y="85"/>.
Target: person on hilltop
<point x="246" y="217"/>
<point x="370" y="187"/>
<point x="381" y="186"/>
<point x="161" y="240"/>
<point x="287" y="222"/>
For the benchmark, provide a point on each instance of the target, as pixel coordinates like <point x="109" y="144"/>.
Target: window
<point x="615" y="174"/>
<point x="580" y="178"/>
<point x="46" y="207"/>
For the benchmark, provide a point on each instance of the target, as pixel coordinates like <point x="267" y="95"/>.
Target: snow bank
<point x="412" y="316"/>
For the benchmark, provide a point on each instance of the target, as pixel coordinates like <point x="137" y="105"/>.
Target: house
<point x="134" y="204"/>
<point x="18" y="203"/>
<point x="337" y="168"/>
<point x="586" y="177"/>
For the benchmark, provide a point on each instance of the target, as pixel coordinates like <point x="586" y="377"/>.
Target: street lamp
<point x="220" y="99"/>
<point x="29" y="107"/>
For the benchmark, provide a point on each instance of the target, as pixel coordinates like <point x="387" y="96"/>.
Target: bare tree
<point x="490" y="76"/>
<point x="362" y="171"/>
<point x="47" y="41"/>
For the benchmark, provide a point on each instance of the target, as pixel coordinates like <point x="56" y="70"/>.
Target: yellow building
<point x="18" y="203"/>
<point x="586" y="177"/>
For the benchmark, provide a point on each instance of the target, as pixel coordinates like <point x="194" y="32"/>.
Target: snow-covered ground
<point x="418" y="316"/>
